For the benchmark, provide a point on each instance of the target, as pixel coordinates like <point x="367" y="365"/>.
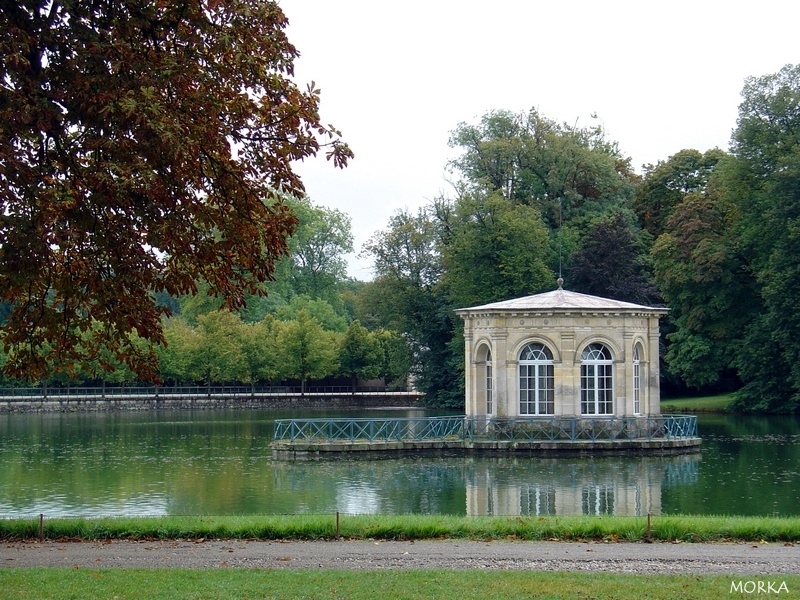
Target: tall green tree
<point x="261" y="350"/>
<point x="703" y="275"/>
<point x="666" y="184"/>
<point x="566" y="172"/>
<point x="200" y="303"/>
<point x="765" y="184"/>
<point x="106" y="368"/>
<point x="359" y="354"/>
<point x="406" y="251"/>
<point x="315" y="270"/>
<point x="394" y="357"/>
<point x="407" y="295"/>
<point x="306" y="350"/>
<point x="176" y="354"/>
<point x="407" y="268"/>
<point x="492" y="249"/>
<point x="318" y="309"/>
<point x="318" y="247"/>
<point x="141" y="147"/>
<point x="218" y="351"/>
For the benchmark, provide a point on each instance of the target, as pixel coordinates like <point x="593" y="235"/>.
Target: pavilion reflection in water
<point x="587" y="487"/>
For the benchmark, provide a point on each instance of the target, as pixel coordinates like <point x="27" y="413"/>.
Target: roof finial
<point x="560" y="282"/>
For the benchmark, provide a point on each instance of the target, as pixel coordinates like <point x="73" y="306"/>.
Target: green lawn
<point x="132" y="584"/>
<point x="701" y="404"/>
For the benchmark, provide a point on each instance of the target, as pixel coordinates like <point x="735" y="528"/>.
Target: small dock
<point x="662" y="434"/>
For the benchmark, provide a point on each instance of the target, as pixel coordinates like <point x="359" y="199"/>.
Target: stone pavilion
<point x="561" y="354"/>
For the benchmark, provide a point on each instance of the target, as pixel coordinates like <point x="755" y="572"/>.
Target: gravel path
<point x="740" y="559"/>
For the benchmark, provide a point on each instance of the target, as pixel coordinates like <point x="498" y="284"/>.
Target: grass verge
<point x="466" y="585"/>
<point x="711" y="404"/>
<point x="411" y="527"/>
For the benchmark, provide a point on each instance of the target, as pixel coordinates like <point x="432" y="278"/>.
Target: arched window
<point x="597" y="381"/>
<point x="637" y="380"/>
<point x="489" y="383"/>
<point x="536" y="391"/>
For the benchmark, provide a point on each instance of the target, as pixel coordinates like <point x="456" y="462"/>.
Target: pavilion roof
<point x="561" y="300"/>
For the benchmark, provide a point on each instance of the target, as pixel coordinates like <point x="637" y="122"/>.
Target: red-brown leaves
<point x="141" y="147"/>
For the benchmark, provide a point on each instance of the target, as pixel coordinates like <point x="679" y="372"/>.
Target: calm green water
<point x="204" y="462"/>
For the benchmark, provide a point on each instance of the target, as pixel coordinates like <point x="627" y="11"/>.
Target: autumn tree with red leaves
<point x="145" y="145"/>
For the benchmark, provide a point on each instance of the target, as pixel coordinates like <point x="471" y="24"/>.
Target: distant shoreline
<point x="214" y="401"/>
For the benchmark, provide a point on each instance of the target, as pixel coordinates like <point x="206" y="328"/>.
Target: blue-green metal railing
<point x="584" y="428"/>
<point x="461" y="428"/>
<point x="370" y="430"/>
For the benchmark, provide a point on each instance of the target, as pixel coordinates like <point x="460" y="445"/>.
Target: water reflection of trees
<point x="388" y="486"/>
<point x="91" y="464"/>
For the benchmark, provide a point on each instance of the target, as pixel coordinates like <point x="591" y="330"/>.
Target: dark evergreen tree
<point x="613" y="263"/>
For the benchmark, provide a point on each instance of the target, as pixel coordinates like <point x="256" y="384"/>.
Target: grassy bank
<point x="710" y="404"/>
<point x="412" y="527"/>
<point x="240" y="583"/>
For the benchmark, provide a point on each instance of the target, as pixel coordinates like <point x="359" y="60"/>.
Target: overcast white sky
<point x="397" y="77"/>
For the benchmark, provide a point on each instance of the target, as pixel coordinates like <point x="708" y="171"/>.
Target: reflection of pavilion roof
<point x="562" y="301"/>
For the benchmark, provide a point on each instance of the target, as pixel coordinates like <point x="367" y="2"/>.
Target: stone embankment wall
<point x="210" y="402"/>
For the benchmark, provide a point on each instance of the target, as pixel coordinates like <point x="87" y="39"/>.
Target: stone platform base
<point x="388" y="449"/>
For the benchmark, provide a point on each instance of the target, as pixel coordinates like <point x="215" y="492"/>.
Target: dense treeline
<point x="222" y="349"/>
<point x="726" y="253"/>
<point x="715" y="236"/>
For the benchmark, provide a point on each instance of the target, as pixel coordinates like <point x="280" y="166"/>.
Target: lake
<point x="220" y="463"/>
